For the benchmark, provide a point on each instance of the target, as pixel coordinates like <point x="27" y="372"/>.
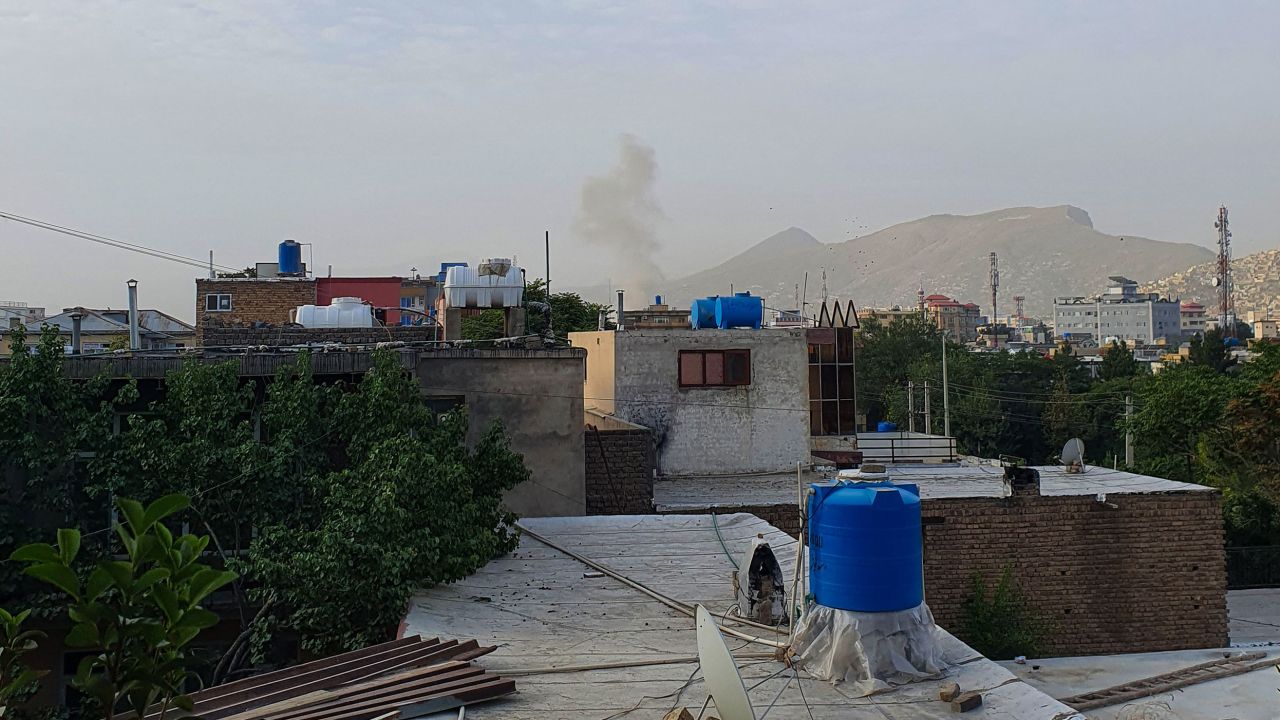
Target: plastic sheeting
<point x="869" y="651"/>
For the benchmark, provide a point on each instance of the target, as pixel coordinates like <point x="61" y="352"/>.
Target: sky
<point x="394" y="135"/>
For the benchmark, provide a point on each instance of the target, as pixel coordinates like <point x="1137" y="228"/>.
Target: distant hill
<point x="1044" y="252"/>
<point x="1256" y="277"/>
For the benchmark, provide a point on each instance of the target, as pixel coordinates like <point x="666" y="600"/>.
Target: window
<point x="832" y="408"/>
<point x="217" y="302"/>
<point x="715" y="368"/>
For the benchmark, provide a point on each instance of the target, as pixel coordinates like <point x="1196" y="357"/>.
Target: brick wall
<point x="281" y="336"/>
<point x="620" y="467"/>
<point x="253" y="300"/>
<point x="1144" y="576"/>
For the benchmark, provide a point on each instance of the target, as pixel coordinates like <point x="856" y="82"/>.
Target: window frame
<point x="725" y="355"/>
<point x="218" y="302"/>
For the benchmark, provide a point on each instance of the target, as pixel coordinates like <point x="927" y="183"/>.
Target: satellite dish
<point x="1073" y="454"/>
<point x="720" y="672"/>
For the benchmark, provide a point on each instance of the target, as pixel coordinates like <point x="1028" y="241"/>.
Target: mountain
<point x="1043" y="253"/>
<point x="1257" y="284"/>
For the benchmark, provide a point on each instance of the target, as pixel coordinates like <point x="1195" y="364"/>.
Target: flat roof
<point x="1249" y="695"/>
<point x="543" y="613"/>
<point x="936" y="481"/>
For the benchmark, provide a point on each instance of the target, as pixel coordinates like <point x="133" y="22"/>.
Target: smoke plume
<point x="619" y="212"/>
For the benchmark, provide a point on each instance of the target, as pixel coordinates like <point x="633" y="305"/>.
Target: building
<point x="1193" y="316"/>
<point x="250" y="301"/>
<point x="728" y="401"/>
<point x="958" y="320"/>
<point x="1119" y="314"/>
<point x="14" y="313"/>
<point x="887" y="316"/>
<point x="105" y="330"/>
<point x="382" y="293"/>
<point x="583" y="643"/>
<point x="658" y="316"/>
<point x="1264" y="325"/>
<point x="1114" y="561"/>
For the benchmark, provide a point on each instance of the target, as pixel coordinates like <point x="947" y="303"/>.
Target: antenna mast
<point x="1226" y="303"/>
<point x="995" y="286"/>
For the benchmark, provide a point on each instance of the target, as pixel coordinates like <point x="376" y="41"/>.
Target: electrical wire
<point x="112" y="242"/>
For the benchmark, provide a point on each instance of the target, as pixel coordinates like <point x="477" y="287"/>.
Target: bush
<point x="1000" y="623"/>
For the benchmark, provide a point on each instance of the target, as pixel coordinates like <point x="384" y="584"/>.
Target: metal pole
<point x="928" y="417"/>
<point x="135" y="343"/>
<point x="76" y="317"/>
<point x="212" y="274"/>
<point x="946" y="395"/>
<point x="1128" y="433"/>
<point x="911" y="406"/>
<point x="550" y="318"/>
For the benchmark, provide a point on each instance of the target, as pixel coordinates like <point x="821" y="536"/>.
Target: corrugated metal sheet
<point x="404" y="679"/>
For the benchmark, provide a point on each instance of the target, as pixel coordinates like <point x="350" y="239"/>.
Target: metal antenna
<point x="1226" y="303"/>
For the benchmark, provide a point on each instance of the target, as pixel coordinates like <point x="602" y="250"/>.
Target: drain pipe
<point x="620" y="324"/>
<point x="135" y="343"/>
<point x="76" y="316"/>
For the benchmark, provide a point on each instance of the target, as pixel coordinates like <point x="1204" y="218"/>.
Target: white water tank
<point x="343" y="312"/>
<point x="465" y="287"/>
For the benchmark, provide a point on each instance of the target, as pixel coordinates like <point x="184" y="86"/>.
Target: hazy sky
<point x="395" y="134"/>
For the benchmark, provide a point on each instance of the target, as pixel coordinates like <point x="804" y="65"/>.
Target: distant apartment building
<point x="1119" y="314"/>
<point x="658" y="316"/>
<point x="14" y="313"/>
<point x="958" y="320"/>
<point x="1194" y="318"/>
<point x="889" y="315"/>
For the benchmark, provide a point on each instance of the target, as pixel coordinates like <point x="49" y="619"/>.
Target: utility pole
<point x="1128" y="431"/>
<point x="911" y="406"/>
<point x="928" y="416"/>
<point x="946" y="395"/>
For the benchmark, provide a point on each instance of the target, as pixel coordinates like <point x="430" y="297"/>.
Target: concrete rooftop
<point x="548" y="620"/>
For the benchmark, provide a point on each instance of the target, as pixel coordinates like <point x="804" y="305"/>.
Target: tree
<point x="1064" y="416"/>
<point x="1210" y="350"/>
<point x="569" y="312"/>
<point x="409" y="504"/>
<point x="485" y="325"/>
<point x="138" y="612"/>
<point x="1118" y="362"/>
<point x="1175" y="409"/>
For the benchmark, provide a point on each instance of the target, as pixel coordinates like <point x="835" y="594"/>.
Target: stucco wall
<point x="598" y="388"/>
<point x="759" y="427"/>
<point x="538" y="395"/>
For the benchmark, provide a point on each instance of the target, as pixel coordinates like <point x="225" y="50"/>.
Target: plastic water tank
<point x="886" y="426"/>
<point x="739" y="310"/>
<point x="465" y="287"/>
<point x="290" y="258"/>
<point x="702" y="313"/>
<point x="343" y="312"/>
<point x="865" y="548"/>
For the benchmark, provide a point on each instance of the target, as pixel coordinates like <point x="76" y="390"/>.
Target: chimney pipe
<point x="620" y="322"/>
<point x="135" y="343"/>
<point x="76" y="317"/>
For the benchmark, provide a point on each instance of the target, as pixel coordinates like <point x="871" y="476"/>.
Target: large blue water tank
<point x="740" y="310"/>
<point x="702" y="313"/>
<point x="290" y="258"/>
<point x="866" y="552"/>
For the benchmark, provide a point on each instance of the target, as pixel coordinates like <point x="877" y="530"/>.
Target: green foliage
<point x="1250" y="517"/>
<point x="1064" y="416"/>
<point x="17" y="680"/>
<point x="569" y="312"/>
<point x="138" y="612"/>
<point x="486" y="325"/>
<point x="1210" y="351"/>
<point x="1176" y="409"/>
<point x="409" y="505"/>
<point x="1118" y="362"/>
<point x="999" y="622"/>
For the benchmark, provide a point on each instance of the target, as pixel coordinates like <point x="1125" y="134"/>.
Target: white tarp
<point x="871" y="652"/>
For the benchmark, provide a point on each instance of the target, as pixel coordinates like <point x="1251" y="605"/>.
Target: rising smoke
<point x="619" y="212"/>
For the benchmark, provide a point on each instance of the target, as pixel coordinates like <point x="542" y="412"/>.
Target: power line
<point x="111" y="242"/>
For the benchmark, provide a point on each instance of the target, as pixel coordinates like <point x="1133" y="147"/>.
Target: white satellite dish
<point x="1073" y="454"/>
<point x="720" y="672"/>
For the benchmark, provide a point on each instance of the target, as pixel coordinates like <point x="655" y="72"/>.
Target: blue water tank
<point x="886" y="426"/>
<point x="290" y="258"/>
<point x="866" y="552"/>
<point x="740" y="310"/>
<point x="702" y="313"/>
